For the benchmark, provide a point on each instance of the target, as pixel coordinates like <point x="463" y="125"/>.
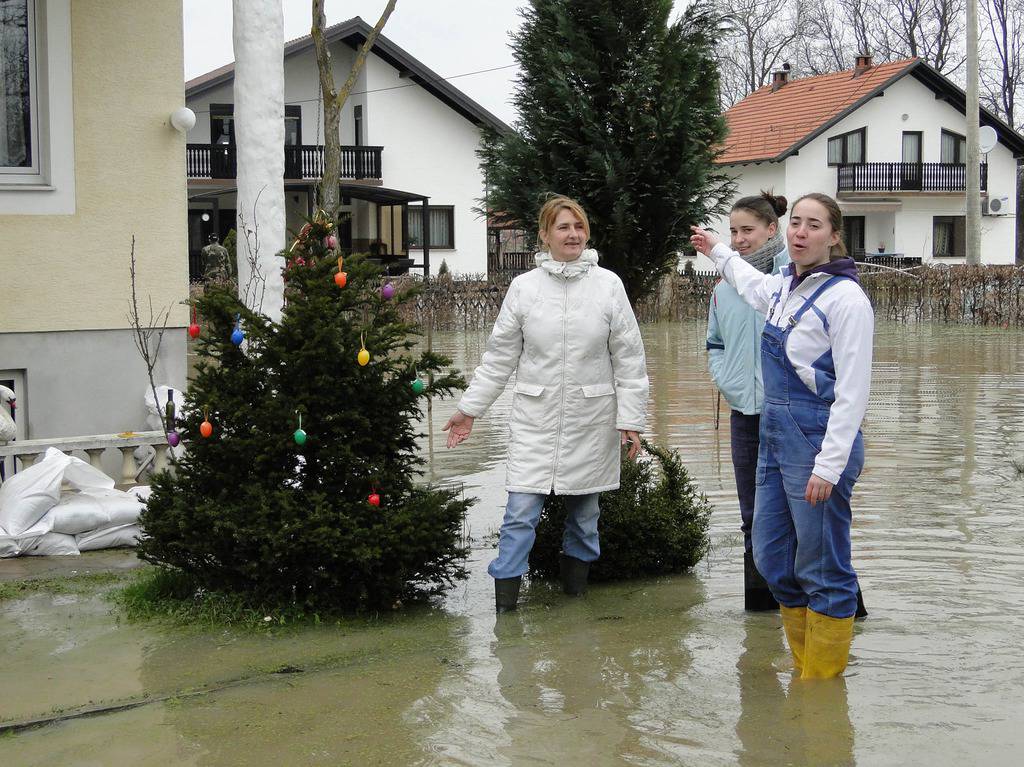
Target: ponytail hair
<point x="766" y="207"/>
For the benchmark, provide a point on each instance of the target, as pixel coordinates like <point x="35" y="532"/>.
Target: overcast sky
<point x="452" y="37"/>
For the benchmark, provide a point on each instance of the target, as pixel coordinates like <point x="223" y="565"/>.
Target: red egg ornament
<point x="193" y="330"/>
<point x="374" y="499"/>
<point x="341" y="279"/>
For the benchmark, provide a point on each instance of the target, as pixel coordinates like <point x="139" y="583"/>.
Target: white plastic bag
<point x="32" y="492"/>
<point x="53" y="545"/>
<point x="109" y="538"/>
<point x="15" y="545"/>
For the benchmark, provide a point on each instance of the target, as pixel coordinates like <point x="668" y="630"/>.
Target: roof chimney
<point x="780" y="77"/>
<point x="862" y="64"/>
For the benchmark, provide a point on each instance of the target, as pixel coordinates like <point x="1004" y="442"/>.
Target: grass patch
<point x="83" y="583"/>
<point x="170" y="595"/>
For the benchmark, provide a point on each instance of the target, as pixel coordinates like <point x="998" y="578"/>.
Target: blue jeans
<point x="519" y="530"/>
<point x="744" y="440"/>
<point x="803" y="549"/>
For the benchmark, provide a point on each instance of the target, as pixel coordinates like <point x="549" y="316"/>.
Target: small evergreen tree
<point x="285" y="516"/>
<point x="619" y="109"/>
<point x="654" y="524"/>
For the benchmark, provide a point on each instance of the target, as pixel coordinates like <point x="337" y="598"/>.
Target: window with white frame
<point x="442" y="226"/>
<point x="19" y="145"/>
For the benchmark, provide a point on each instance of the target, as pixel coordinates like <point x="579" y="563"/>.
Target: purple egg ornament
<point x="173" y="439"/>
<point x="387" y="291"/>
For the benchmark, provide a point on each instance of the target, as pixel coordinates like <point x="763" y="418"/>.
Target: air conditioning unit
<point x="995" y="206"/>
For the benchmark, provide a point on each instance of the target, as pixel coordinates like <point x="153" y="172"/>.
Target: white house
<point x="888" y="142"/>
<point x="408" y="137"/>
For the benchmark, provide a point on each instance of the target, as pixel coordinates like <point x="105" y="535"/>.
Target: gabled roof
<point x="770" y="126"/>
<point x="354" y="33"/>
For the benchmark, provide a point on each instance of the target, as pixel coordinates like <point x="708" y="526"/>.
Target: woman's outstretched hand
<point x="703" y="240"/>
<point x="458" y="427"/>
<point x="632" y="439"/>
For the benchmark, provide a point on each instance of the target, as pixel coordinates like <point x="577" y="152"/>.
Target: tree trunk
<point x="334" y="101"/>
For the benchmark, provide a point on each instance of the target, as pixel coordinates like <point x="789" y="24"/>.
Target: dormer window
<point x="847" y="148"/>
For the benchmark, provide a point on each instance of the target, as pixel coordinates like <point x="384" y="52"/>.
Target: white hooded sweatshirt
<point x="568" y="330"/>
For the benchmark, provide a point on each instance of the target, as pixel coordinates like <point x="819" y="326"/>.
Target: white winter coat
<point x="570" y="333"/>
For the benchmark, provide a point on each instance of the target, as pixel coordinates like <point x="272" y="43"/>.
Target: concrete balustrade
<point x="28" y="451"/>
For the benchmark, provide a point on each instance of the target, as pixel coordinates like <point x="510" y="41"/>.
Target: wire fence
<point x="966" y="295"/>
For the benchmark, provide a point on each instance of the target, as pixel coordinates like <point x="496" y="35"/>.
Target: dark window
<point x="848" y="148"/>
<point x="953" y="147"/>
<point x="17" y="52"/>
<point x="357" y="117"/>
<point x="853" y="236"/>
<point x="292" y="125"/>
<point x="222" y="124"/>
<point x="949" y="236"/>
<point x="442" y="226"/>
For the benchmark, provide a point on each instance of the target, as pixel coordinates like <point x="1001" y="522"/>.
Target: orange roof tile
<point x="765" y="125"/>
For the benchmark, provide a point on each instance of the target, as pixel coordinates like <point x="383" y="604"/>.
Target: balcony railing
<point x="510" y="263"/>
<point x="905" y="177"/>
<point x="300" y="161"/>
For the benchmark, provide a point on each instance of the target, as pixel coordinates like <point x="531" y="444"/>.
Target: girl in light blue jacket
<point x="734" y="360"/>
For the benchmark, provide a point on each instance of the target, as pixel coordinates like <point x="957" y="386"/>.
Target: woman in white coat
<point x="566" y="328"/>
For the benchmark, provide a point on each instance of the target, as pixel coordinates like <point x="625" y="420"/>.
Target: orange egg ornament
<point x="206" y="429"/>
<point x="341" y="279"/>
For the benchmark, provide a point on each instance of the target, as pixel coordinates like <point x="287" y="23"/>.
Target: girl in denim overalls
<point x="816" y="367"/>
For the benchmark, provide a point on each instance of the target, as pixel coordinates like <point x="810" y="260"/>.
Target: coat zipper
<point x="561" y="410"/>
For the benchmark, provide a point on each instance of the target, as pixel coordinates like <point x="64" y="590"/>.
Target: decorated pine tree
<point x="300" y="482"/>
<point x="618" y="108"/>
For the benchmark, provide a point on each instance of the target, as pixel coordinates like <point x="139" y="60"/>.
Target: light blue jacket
<point x="734" y="345"/>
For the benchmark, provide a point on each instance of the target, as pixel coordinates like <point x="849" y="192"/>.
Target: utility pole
<point x="973" y="164"/>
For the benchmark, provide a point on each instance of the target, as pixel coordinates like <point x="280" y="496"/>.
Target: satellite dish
<point x="987" y="139"/>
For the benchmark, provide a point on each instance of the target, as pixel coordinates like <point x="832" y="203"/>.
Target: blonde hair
<point x="549" y="212"/>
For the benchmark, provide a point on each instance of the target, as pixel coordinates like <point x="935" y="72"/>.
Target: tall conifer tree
<point x="618" y="109"/>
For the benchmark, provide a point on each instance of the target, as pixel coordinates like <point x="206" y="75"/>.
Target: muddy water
<point x="657" y="672"/>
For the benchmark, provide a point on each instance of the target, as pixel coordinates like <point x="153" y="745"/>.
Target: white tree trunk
<point x="258" y="38"/>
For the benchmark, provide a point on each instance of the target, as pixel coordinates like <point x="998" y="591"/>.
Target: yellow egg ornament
<point x="364" y="356"/>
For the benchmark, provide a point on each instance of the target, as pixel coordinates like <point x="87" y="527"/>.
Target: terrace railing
<point x="905" y="177"/>
<point x="300" y="161"/>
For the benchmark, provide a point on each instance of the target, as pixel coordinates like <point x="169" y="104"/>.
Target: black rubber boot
<point x="506" y="593"/>
<point x="574" y="574"/>
<point x="862" y="611"/>
<point x="756" y="595"/>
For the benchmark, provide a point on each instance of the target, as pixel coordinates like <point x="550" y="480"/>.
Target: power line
<point x="395" y="87"/>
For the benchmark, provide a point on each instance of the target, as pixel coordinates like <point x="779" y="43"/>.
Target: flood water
<point x="667" y="671"/>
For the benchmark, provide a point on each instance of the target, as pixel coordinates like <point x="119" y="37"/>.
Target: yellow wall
<point x="71" y="272"/>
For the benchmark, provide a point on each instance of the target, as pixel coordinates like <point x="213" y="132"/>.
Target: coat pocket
<point x="598" y="405"/>
<point x="527" y="405"/>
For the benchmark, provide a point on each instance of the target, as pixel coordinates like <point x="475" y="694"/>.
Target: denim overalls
<point x="801" y="549"/>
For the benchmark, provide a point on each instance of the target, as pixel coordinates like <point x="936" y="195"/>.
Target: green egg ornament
<point x="418" y="386"/>
<point x="300" y="437"/>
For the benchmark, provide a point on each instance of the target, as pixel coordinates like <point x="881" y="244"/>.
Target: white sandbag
<point x="79" y="513"/>
<point x="83" y="476"/>
<point x="15" y="545"/>
<point x="53" y="545"/>
<point x="32" y="492"/>
<point x="109" y="538"/>
<point x="142" y="492"/>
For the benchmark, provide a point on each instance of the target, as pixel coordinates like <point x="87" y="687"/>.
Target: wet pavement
<point x="664" y="671"/>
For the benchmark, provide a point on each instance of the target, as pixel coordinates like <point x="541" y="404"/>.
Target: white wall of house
<point x="429" y="149"/>
<point x="907" y="229"/>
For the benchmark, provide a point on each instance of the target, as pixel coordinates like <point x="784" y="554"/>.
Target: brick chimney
<point x="862" y="64"/>
<point x="780" y="77"/>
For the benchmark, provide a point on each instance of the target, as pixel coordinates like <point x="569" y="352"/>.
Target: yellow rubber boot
<point x="827" y="646"/>
<point x="794" y="623"/>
